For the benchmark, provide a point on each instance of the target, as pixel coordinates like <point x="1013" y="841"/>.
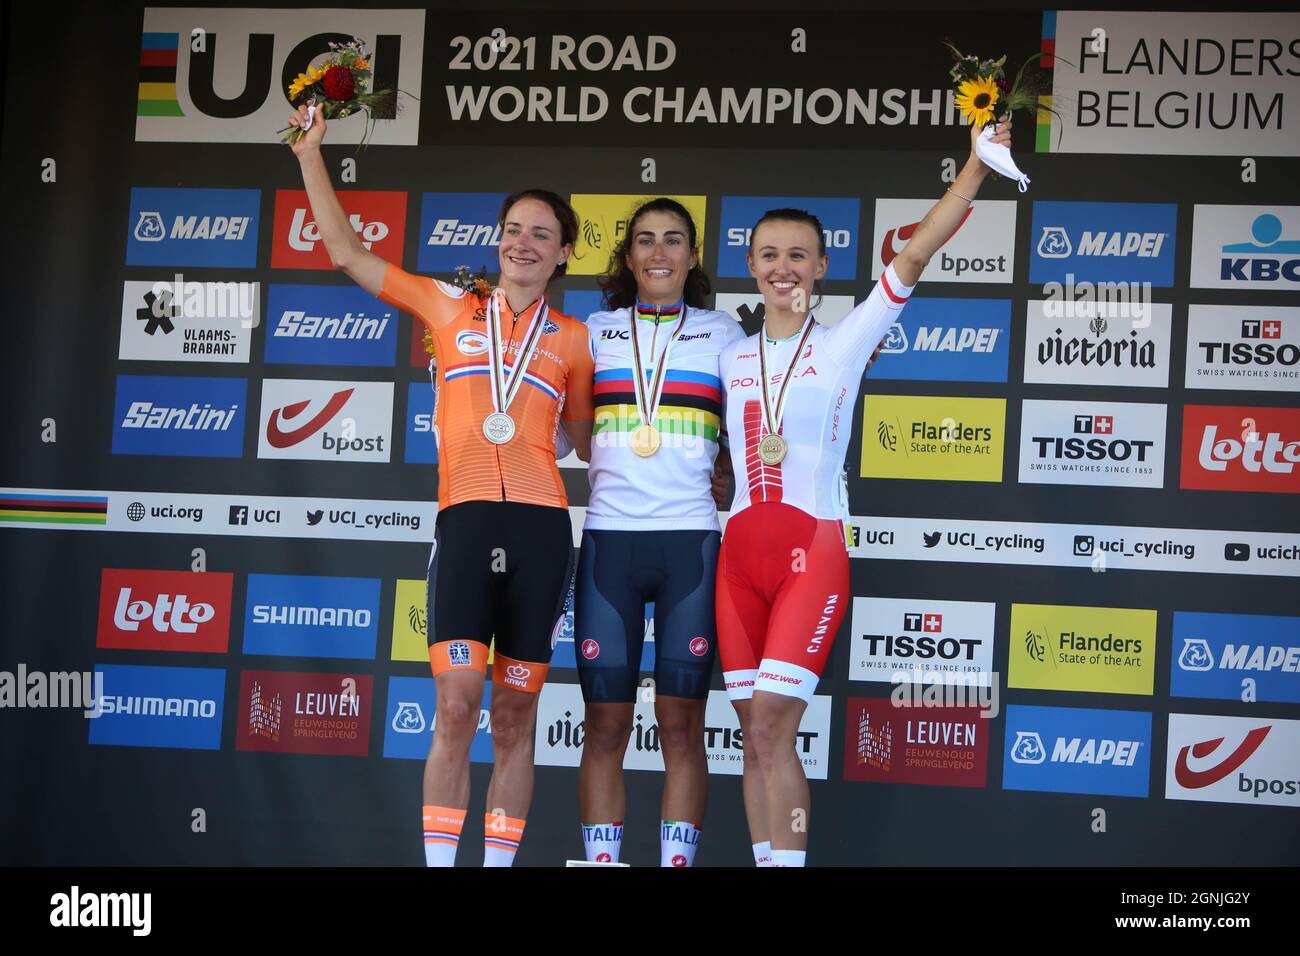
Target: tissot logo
<point x="1243" y="347"/>
<point x="1110" y="444"/>
<point x="955" y="637"/>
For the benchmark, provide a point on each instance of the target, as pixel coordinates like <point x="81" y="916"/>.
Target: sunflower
<point x="975" y="99"/>
<point x="303" y="81"/>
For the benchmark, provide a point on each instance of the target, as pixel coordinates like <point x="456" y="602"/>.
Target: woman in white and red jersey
<point x="783" y="571"/>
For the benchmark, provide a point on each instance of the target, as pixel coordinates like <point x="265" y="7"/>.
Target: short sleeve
<point x="578" y="402"/>
<point x="433" y="302"/>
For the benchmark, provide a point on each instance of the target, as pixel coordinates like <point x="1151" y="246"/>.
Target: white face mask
<point x="998" y="158"/>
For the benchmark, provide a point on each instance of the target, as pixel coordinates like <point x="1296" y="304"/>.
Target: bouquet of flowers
<point x="475" y="283"/>
<point x="982" y="85"/>
<point x="338" y="88"/>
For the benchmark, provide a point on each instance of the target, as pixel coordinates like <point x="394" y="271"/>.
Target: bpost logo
<point x="164" y="415"/>
<point x="1103" y="241"/>
<point x="1104" y="348"/>
<point x="193" y="227"/>
<point x="1076" y="750"/>
<point x="421" y="432"/>
<point x="287" y="712"/>
<point x="941" y="638"/>
<point x="224" y="80"/>
<point x="1240" y="448"/>
<point x="411" y="719"/>
<point x="1250" y="760"/>
<point x="459" y="229"/>
<point x="1246" y="247"/>
<point x="840" y="220"/>
<point x="950" y="439"/>
<point x="981" y="250"/>
<point x="1247" y="657"/>
<point x="1092" y="443"/>
<point x="378" y="218"/>
<point x="328" y="325"/>
<point x="164" y="610"/>
<point x="1240" y="347"/>
<point x="325" y="421"/>
<point x="952" y="340"/>
<point x="176" y="707"/>
<point x="300" y="616"/>
<point x="1106" y="650"/>
<point x="940" y="746"/>
<point x="602" y="221"/>
<point x="178" y="321"/>
<point x="410" y="638"/>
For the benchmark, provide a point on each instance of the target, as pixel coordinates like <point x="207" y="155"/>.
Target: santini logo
<point x="103" y="909"/>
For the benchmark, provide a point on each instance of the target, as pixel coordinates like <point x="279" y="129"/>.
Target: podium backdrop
<point x="1073" y="471"/>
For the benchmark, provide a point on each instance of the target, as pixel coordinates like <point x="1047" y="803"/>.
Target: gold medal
<point x="772" y="449"/>
<point x="645" y="440"/>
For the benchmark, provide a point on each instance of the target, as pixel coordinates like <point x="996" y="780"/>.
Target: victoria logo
<point x="1195" y="779"/>
<point x="279" y="438"/>
<point x="1028" y="748"/>
<point x="1196" y="655"/>
<point x="409" y="718"/>
<point x="1054" y="243"/>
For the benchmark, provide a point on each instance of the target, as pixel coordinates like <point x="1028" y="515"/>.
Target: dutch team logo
<point x="458" y="654"/>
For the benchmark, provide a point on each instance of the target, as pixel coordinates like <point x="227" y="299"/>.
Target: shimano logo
<point x="308" y="616"/>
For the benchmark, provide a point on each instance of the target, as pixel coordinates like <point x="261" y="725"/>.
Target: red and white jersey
<point x="818" y="419"/>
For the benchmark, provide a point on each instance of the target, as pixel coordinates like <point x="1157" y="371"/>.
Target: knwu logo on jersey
<point x="193" y="227"/>
<point x="1103" y="242"/>
<point x="302" y="616"/>
<point x="164" y="610"/>
<point x="325" y="421"/>
<point x="219" y="76"/>
<point x="944" y="640"/>
<point x="162" y="415"/>
<point x="981" y="250"/>
<point x="1236" y="657"/>
<point x="951" y="439"/>
<point x="1105" y="650"/>
<point x="176" y="707"/>
<point x="459" y="229"/>
<point x="1243" y="347"/>
<point x="329" y="325"/>
<point x="1077" y="750"/>
<point x="1092" y="443"/>
<point x="840" y="220"/>
<point x="952" y="340"/>
<point x="1241" y="448"/>
<point x="1107" y="345"/>
<point x="378" y="218"/>
<point x="1250" y="760"/>
<point x="1246" y="247"/>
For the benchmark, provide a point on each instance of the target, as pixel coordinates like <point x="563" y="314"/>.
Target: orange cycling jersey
<point x="558" y="377"/>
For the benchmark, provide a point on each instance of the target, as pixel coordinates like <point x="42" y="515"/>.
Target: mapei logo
<point x="459" y="229"/>
<point x="177" y="416"/>
<point x="325" y="421"/>
<point x="378" y="218"/>
<point x="409" y="718"/>
<point x="1076" y="750"/>
<point x="840" y="220"/>
<point x="1241" y="448"/>
<point x="221" y="77"/>
<point x="193" y="227"/>
<point x="955" y="340"/>
<point x="1196" y="655"/>
<point x="1242" y="657"/>
<point x="1246" y="247"/>
<point x="164" y="610"/>
<point x="1103" y="242"/>
<point x="1245" y="760"/>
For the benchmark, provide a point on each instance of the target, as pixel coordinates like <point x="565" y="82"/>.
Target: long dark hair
<point x="619" y="284"/>
<point x="564" y="213"/>
<point x="795" y="215"/>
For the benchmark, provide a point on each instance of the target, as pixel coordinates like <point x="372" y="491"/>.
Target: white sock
<point x="763" y="853"/>
<point x="501" y="836"/>
<point x="677" y="842"/>
<point x="602" y="841"/>
<point x="788" y="857"/>
<point x="442" y="826"/>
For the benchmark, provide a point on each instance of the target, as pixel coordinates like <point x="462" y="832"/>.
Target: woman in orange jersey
<point x="503" y="544"/>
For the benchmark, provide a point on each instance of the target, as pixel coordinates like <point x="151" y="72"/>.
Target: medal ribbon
<point x="505" y="388"/>
<point x="773" y="419"/>
<point x="647" y="405"/>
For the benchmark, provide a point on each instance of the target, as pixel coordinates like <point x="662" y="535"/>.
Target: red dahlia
<point x="338" y="83"/>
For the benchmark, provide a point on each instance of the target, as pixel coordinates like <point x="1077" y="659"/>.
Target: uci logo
<point x="1196" y="655"/>
<point x="409" y="718"/>
<point x="471" y="343"/>
<point x="614" y="334"/>
<point x="1054" y="243"/>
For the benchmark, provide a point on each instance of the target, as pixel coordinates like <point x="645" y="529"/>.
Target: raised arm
<point x="943" y="219"/>
<point x="345" y="250"/>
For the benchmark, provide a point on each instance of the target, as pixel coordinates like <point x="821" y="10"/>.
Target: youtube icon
<point x="1236" y="551"/>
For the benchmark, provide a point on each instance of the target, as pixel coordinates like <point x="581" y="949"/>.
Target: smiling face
<point x="785" y="257"/>
<point x="531" y="245"/>
<point x="660" y="257"/>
